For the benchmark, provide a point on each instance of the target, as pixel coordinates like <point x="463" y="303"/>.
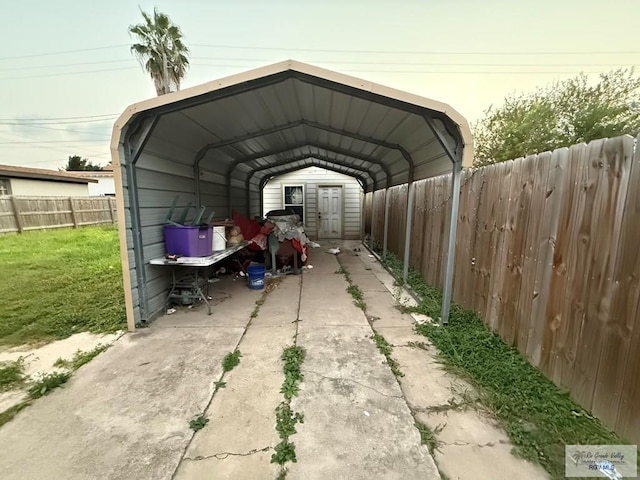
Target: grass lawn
<point x="59" y="282"/>
<point x="539" y="418"/>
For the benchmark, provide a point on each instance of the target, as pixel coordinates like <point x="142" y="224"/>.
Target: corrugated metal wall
<point x="159" y="181"/>
<point x="312" y="177"/>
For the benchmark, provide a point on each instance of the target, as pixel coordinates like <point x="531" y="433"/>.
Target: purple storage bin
<point x="188" y="241"/>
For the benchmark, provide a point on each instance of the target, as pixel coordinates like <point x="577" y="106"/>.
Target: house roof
<point x="260" y="123"/>
<point x="95" y="174"/>
<point x="13" y="171"/>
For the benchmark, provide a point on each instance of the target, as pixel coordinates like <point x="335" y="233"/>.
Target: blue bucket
<point x="255" y="273"/>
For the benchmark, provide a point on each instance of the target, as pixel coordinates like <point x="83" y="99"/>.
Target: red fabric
<point x="249" y="228"/>
<point x="299" y="247"/>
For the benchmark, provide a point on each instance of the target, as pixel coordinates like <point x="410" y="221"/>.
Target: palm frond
<point x="160" y="50"/>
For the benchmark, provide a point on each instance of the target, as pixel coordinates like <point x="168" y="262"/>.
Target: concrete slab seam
<point x="259" y="303"/>
<point x="286" y="418"/>
<point x="417" y="317"/>
<point x="386" y="349"/>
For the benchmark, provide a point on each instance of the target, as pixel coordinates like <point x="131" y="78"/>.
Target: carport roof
<point x="290" y="115"/>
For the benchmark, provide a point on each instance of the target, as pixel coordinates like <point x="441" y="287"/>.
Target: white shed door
<point x="330" y="212"/>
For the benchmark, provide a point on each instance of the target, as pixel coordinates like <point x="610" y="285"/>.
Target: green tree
<point x="559" y="115"/>
<point x="160" y="50"/>
<point x="76" y="163"/>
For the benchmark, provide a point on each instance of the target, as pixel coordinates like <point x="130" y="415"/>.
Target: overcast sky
<point x="70" y="58"/>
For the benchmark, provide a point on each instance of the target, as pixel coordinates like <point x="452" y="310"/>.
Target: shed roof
<point x="13" y="171"/>
<point x="290" y="115"/>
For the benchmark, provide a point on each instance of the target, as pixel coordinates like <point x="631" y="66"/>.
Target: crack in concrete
<point x="459" y="443"/>
<point x="354" y="381"/>
<point x="411" y="345"/>
<point x="223" y="455"/>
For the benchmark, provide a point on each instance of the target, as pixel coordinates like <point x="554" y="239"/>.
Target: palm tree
<point x="160" y="50"/>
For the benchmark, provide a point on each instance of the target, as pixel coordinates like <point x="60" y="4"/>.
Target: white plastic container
<point x="219" y="239"/>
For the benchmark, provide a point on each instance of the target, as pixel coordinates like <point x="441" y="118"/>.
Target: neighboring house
<point x="329" y="203"/>
<point x="105" y="187"/>
<point x="41" y="183"/>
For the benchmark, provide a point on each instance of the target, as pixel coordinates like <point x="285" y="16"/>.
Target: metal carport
<point x="217" y="144"/>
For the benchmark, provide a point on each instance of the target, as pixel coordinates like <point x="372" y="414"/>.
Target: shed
<point x="328" y="202"/>
<point x="217" y="144"/>
<point x="41" y="182"/>
<point x="104" y="185"/>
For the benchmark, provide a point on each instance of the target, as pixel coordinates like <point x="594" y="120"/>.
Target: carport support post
<point x="407" y="234"/>
<point x="386" y="222"/>
<point x="451" y="247"/>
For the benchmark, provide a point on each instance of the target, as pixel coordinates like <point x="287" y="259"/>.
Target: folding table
<point x="190" y="283"/>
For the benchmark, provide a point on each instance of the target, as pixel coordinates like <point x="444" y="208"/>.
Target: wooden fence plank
<point x="368" y="199"/>
<point x="74" y="217"/>
<point x="481" y="245"/>
<point x="544" y="257"/>
<point x="419" y="209"/>
<point x="444" y="213"/>
<point x="468" y="269"/>
<point x="509" y="323"/>
<point x="626" y="310"/>
<point x="605" y="338"/>
<point x="596" y="225"/>
<point x="427" y="269"/>
<point x="462" y="246"/>
<point x="563" y="331"/>
<point x="17" y="213"/>
<point x="525" y="293"/>
<point x="495" y="304"/>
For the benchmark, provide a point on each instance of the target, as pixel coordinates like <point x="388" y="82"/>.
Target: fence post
<point x="16" y="212"/>
<point x="73" y="213"/>
<point x="111" y="210"/>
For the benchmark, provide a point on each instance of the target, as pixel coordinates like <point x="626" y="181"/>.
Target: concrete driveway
<point x="126" y="414"/>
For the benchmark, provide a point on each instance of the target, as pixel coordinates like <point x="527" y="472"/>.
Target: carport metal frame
<point x="146" y="122"/>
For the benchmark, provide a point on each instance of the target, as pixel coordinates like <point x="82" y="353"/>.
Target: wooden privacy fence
<point x="18" y="214"/>
<point x="548" y="254"/>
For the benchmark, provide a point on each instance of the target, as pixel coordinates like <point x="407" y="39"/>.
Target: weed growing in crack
<point x="452" y="404"/>
<point x="386" y="348"/>
<point x="292" y="357"/>
<point x="48" y="382"/>
<point x="198" y="423"/>
<point x="11" y="374"/>
<point x="259" y="303"/>
<point x="285" y="452"/>
<point x="353" y="289"/>
<point x="428" y="436"/>
<point x="219" y="385"/>
<point x="270" y="287"/>
<point x="80" y="358"/>
<point x="420" y="345"/>
<point x="11" y="412"/>
<point x="358" y="297"/>
<point x="231" y="360"/>
<point x="343" y="271"/>
<point x="286" y="420"/>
